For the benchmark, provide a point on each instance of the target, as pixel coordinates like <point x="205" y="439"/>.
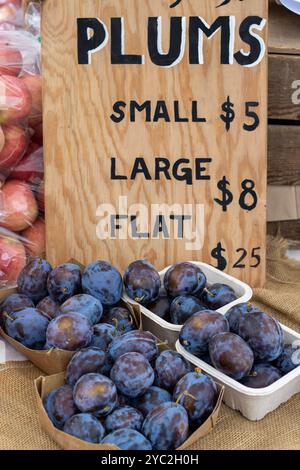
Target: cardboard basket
<point x="44" y="385"/>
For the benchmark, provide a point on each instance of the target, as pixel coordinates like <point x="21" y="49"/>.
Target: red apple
<point x="12" y="259"/>
<point x="16" y="142"/>
<point x="41" y="196"/>
<point x="31" y="167"/>
<point x="34" y="238"/>
<point x="11" y="61"/>
<point x="15" y="99"/>
<point x="18" y="207"/>
<point x="34" y="85"/>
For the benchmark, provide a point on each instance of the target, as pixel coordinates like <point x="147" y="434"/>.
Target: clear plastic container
<point x="253" y="403"/>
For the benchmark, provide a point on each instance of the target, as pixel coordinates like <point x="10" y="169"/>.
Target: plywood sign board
<point x="155" y="132"/>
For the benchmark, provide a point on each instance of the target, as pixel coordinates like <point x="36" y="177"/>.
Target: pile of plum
<point x="185" y="290"/>
<point x="119" y="389"/>
<point x="65" y="308"/>
<point x="131" y="396"/>
<point x="246" y="344"/>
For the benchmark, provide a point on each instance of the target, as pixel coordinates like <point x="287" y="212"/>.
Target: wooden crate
<point x="284" y="123"/>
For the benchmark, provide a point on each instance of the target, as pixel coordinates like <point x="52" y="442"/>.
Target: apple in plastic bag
<point x="18" y="206"/>
<point x="11" y="61"/>
<point x="34" y="238"/>
<point x="12" y="259"/>
<point x="11" y="13"/>
<point x="31" y="167"/>
<point x="16" y="142"/>
<point x="34" y="85"/>
<point x="15" y="100"/>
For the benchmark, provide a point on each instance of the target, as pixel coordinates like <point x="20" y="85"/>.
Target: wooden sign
<point x="155" y="132"/>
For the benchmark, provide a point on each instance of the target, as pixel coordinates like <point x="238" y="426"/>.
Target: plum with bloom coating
<point x="60" y="406"/>
<point x="64" y="282"/>
<point x="218" y="295"/>
<point x="199" y="329"/>
<point x="28" y="327"/>
<point x="263" y="334"/>
<point x="84" y="304"/>
<point x="236" y="313"/>
<point x="86" y="427"/>
<point x="103" y="281"/>
<point x="124" y="417"/>
<point x="48" y="306"/>
<point x="14" y="303"/>
<point x="142" y="342"/>
<point x="32" y="280"/>
<point x="184" y="279"/>
<point x="261" y="376"/>
<point x="127" y="439"/>
<point x="84" y="362"/>
<point x="132" y="374"/>
<point x="96" y="394"/>
<point x="166" y="426"/>
<point x="70" y="332"/>
<point x="142" y="282"/>
<point x="103" y="334"/>
<point x="198" y="394"/>
<point x="153" y="397"/>
<point x="183" y="307"/>
<point x="231" y="355"/>
<point x="170" y="366"/>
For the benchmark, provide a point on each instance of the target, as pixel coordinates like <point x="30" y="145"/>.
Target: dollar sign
<point x="229" y="115"/>
<point x="227" y="196"/>
<point x="217" y="254"/>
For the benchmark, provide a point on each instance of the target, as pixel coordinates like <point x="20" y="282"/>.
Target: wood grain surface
<point x="284" y="86"/>
<point x="80" y="138"/>
<point x="284" y="155"/>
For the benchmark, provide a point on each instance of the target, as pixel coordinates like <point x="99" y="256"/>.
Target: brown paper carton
<point x="44" y="385"/>
<point x="54" y="360"/>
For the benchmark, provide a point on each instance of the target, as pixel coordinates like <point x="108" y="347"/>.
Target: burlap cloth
<point x="19" y="426"/>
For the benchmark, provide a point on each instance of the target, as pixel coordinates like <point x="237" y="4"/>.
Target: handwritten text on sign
<point x="186" y="37"/>
<point x="182" y="31"/>
<point x="159" y="113"/>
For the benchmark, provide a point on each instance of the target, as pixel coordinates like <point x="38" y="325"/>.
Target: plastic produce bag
<point x="20" y="97"/>
<point x="11" y="14"/>
<point x="22" y="228"/>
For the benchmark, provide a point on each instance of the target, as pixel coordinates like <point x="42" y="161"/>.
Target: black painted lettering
<point x="119" y="114"/>
<point x="118" y="55"/>
<point x="89" y="44"/>
<point x="177" y="41"/>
